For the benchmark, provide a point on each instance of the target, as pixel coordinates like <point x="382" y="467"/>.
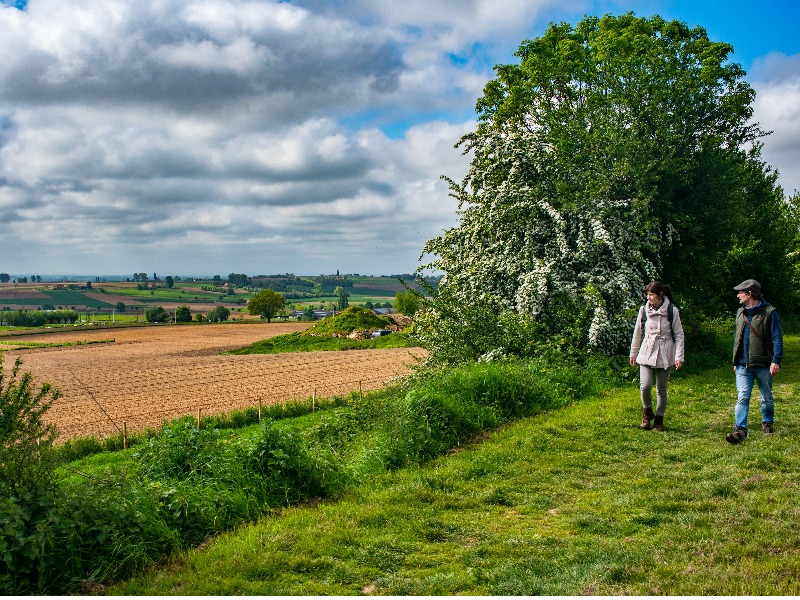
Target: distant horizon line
<point x="70" y="277"/>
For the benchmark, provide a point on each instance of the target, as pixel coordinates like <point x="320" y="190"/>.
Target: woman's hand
<point x="632" y="361"/>
<point x="678" y="364"/>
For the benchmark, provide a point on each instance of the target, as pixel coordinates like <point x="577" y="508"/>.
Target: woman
<point x="657" y="345"/>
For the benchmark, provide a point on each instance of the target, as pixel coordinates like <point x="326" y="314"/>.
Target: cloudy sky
<point x="259" y="136"/>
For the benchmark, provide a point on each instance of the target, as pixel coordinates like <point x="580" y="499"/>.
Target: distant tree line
<point x="158" y="314"/>
<point x="37" y="318"/>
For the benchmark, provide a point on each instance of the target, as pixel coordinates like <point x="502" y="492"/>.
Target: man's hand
<point x="774" y="368"/>
<point x="678" y="364"/>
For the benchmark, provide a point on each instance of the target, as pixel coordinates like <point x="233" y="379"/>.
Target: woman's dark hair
<point x="658" y="288"/>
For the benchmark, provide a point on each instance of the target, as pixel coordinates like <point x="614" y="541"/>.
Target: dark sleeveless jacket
<point x="759" y="353"/>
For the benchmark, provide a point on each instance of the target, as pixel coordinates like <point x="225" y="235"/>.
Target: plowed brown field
<point x="149" y="374"/>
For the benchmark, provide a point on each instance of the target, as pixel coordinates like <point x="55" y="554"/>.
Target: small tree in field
<point x="266" y="303"/>
<point x="183" y="315"/>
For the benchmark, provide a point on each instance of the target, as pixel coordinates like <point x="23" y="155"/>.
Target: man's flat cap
<point x="749" y="285"/>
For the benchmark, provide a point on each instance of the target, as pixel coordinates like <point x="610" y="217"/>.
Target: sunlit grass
<point x="574" y="501"/>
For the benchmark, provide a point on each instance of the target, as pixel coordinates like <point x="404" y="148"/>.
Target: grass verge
<point x="574" y="501"/>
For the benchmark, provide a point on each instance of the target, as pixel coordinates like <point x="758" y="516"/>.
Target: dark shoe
<point x="658" y="424"/>
<point x="647" y="416"/>
<point x="767" y="428"/>
<point x="737" y="436"/>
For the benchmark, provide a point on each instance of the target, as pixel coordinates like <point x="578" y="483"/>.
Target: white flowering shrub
<point x="583" y="168"/>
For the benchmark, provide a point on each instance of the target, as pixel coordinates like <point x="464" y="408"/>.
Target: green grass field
<point x="175" y="294"/>
<point x="571" y="502"/>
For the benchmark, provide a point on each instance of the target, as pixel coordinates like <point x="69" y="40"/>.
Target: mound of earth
<point x="354" y="318"/>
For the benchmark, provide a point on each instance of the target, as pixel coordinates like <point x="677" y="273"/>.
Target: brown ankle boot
<point x="658" y="424"/>
<point x="647" y="416"/>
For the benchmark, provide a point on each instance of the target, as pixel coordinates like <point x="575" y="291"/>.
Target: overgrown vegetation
<point x="28" y="490"/>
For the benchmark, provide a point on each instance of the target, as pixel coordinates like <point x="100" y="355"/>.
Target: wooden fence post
<point x="124" y="435"/>
<point x="259" y="410"/>
<point x="314" y="401"/>
<point x="198" y="417"/>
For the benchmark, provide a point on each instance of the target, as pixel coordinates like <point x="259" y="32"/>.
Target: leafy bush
<point x="281" y="457"/>
<point x="26" y="459"/>
<point x="27" y="482"/>
<point x="180" y="451"/>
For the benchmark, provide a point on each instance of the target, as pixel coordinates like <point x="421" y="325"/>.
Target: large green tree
<point x="267" y="304"/>
<point x="617" y="151"/>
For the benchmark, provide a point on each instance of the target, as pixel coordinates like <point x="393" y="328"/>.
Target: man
<point x="757" y="353"/>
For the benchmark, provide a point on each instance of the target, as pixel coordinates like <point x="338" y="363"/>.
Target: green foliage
<point x="267" y="304"/>
<point x="218" y="314"/>
<point x="27" y="482"/>
<point x="455" y="332"/>
<point x="616" y="152"/>
<point x="281" y="457"/>
<point x="342" y="296"/>
<point x="156" y="314"/>
<point x="183" y="314"/>
<point x="407" y="302"/>
<point x="37" y="318"/>
<point x="25" y="439"/>
<point x="179" y="451"/>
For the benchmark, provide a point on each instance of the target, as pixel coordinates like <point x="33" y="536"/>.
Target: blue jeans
<point x="745" y="378"/>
